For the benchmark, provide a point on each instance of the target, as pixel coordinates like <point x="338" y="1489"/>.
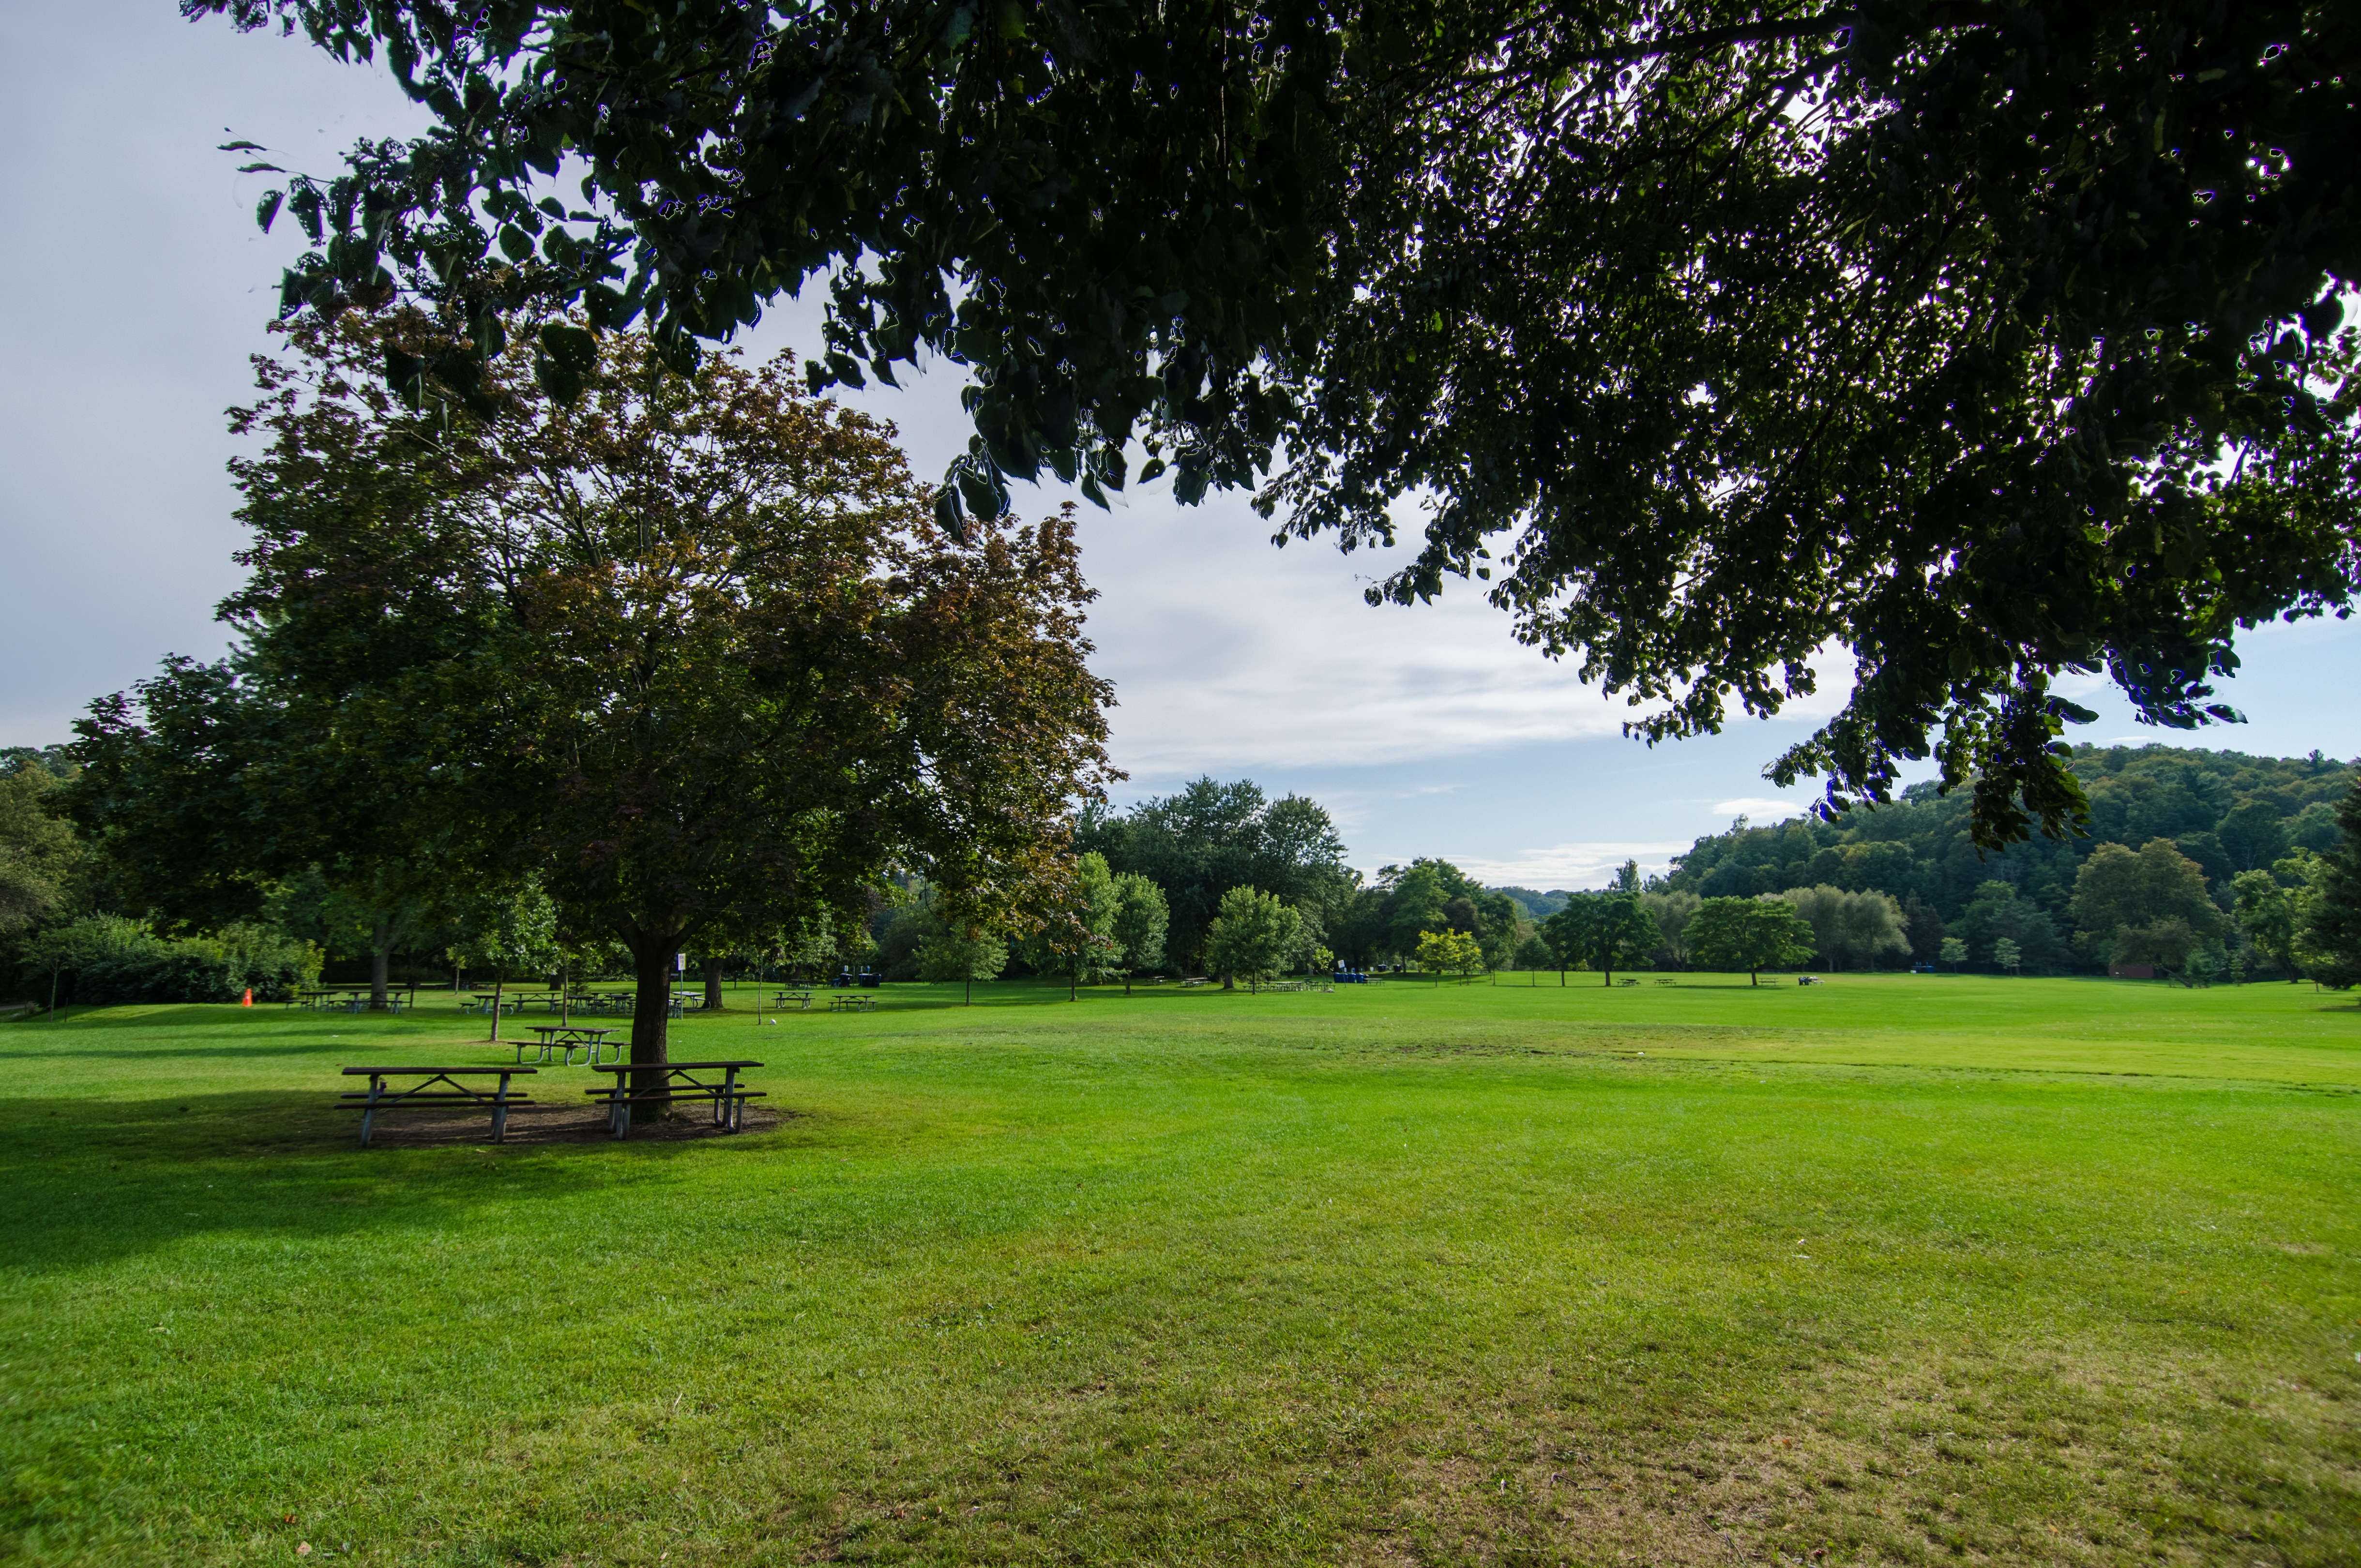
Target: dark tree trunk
<point x="651" y="960"/>
<point x="380" y="952"/>
<point x="713" y="1002"/>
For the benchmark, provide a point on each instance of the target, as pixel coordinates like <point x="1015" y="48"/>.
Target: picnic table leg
<point x="500" y="1112"/>
<point x="369" y="1114"/>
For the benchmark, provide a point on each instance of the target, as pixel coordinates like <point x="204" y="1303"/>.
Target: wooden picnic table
<point x="802" y="999"/>
<point x="355" y="999"/>
<point x="566" y="1039"/>
<point x="852" y="1002"/>
<point x="380" y="1096"/>
<point x="680" y="1083"/>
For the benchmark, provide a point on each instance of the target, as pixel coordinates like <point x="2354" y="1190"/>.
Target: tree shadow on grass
<point x="194" y="1033"/>
<point x="86" y="1180"/>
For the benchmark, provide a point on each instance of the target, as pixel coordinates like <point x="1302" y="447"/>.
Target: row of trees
<point x="2227" y="811"/>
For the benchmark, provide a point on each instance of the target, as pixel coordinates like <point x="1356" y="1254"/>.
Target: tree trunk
<point x="713" y="1002"/>
<point x="380" y="952"/>
<point x="499" y="977"/>
<point x="652" y="959"/>
<point x="970" y="991"/>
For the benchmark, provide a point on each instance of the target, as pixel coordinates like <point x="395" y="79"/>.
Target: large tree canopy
<point x="1989" y="341"/>
<point x="691" y="652"/>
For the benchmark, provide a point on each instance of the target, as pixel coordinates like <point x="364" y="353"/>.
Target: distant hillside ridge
<point x="2227" y="811"/>
<point x="1539" y="905"/>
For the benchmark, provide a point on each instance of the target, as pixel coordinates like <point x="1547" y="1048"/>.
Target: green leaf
<point x="267" y="211"/>
<point x="573" y="350"/>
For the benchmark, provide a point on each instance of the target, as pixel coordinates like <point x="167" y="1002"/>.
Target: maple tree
<point x="690" y="649"/>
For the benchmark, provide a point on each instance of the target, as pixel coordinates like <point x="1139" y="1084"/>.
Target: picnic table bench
<point x="382" y="1095"/>
<point x="566" y="1039"/>
<point x="728" y="1098"/>
<point x="801" y="999"/>
<point x="852" y="1001"/>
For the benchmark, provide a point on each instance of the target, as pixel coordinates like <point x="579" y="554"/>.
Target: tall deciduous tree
<point x="690" y="649"/>
<point x="2127" y="904"/>
<point x="1672" y="911"/>
<point x="1077" y="938"/>
<point x="2274" y="907"/>
<point x="1916" y="325"/>
<point x="509" y="929"/>
<point x="1749" y="934"/>
<point x="2333" y="927"/>
<point x="39" y="852"/>
<point x="965" y="953"/>
<point x="1456" y="951"/>
<point x="1605" y="930"/>
<point x="1141" y="919"/>
<point x="1850" y="927"/>
<point x="1253" y="935"/>
<point x="1207" y="837"/>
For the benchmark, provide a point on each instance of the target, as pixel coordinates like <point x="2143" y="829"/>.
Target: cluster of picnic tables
<point x="341" y="999"/>
<point x="445" y="1087"/>
<point x="450" y="1088"/>
<point x="800" y="999"/>
<point x="591" y="1003"/>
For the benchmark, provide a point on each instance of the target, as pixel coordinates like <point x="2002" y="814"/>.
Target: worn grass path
<point x="1891" y="1269"/>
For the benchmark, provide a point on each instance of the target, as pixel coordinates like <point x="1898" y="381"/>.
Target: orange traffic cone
<point x="249" y="997"/>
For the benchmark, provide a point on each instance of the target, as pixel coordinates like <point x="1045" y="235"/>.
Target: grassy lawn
<point x="1909" y="1269"/>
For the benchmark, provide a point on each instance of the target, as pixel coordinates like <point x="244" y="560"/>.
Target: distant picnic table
<point x="385" y="1094"/>
<point x="566" y="1039"/>
<point x="800" y="999"/>
<point x="852" y="1002"/>
<point x="680" y="1082"/>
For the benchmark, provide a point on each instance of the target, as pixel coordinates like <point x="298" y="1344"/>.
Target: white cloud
<point x="1570" y="865"/>
<point x="1764" y="809"/>
<point x="1229" y="654"/>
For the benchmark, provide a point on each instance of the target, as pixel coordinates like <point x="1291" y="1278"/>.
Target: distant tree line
<point x="2209" y="859"/>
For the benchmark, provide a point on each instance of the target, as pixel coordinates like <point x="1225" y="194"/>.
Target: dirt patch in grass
<point x="1941" y="1457"/>
<point x="560" y="1124"/>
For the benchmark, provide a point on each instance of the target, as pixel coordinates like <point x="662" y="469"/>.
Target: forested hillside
<point x="2225" y="811"/>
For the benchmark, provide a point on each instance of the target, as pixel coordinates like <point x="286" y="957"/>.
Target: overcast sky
<point x="139" y="286"/>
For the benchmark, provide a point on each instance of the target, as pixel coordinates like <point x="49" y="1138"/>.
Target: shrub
<point x="108" y="959"/>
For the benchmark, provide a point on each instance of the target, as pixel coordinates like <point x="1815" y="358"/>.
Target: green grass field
<point x="1909" y="1269"/>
